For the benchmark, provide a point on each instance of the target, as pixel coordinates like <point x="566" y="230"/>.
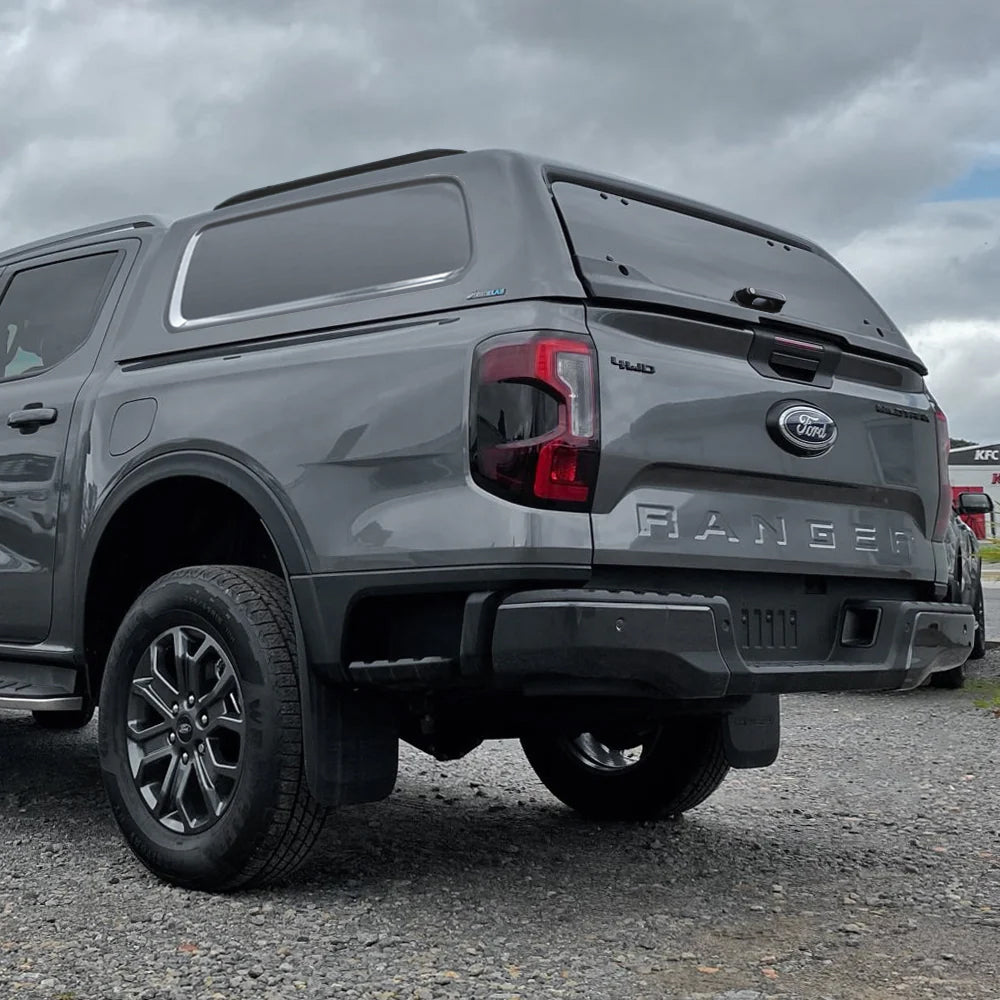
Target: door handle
<point x="33" y="416"/>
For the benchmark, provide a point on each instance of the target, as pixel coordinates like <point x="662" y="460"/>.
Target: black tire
<point x="949" y="679"/>
<point x="979" y="642"/>
<point x="252" y="819"/>
<point x="74" y="719"/>
<point x="681" y="764"/>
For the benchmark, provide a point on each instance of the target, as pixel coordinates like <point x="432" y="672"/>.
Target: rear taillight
<point x="535" y="435"/>
<point x="944" y="498"/>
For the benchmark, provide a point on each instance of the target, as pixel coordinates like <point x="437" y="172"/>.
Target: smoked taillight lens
<point x="535" y="435"/>
<point x="944" y="498"/>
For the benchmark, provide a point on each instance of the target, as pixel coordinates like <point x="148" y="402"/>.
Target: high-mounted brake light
<point x="944" y="497"/>
<point x="534" y="434"/>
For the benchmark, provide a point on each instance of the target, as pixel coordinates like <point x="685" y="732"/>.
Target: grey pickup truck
<point x="449" y="448"/>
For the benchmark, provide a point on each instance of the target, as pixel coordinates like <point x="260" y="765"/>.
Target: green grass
<point x="990" y="551"/>
<point x="986" y="691"/>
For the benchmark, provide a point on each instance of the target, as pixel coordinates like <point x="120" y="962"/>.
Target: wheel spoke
<point x="144" y="687"/>
<point x="602" y="754"/>
<point x="197" y="666"/>
<point x="156" y="672"/>
<point x="183" y="663"/>
<point x="150" y="759"/>
<point x="218" y="768"/>
<point x="166" y="796"/>
<point x="184" y="776"/>
<point x="143" y="735"/>
<point x="207" y="786"/>
<point x="229" y="723"/>
<point x="591" y="751"/>
<point x="224" y="685"/>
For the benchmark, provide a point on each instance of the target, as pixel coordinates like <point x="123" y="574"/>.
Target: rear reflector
<point x="534" y="429"/>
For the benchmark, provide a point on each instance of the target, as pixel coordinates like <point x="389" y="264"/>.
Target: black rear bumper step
<point x="425" y="670"/>
<point x="593" y="643"/>
<point x="683" y="646"/>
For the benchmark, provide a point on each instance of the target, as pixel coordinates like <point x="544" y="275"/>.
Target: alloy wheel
<point x="591" y="751"/>
<point x="186" y="729"/>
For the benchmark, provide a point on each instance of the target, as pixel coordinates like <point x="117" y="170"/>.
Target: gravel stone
<point x="865" y="863"/>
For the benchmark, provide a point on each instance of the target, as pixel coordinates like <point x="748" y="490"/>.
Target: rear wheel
<point x="979" y="642"/>
<point x="955" y="678"/>
<point x="663" y="771"/>
<point x="200" y="731"/>
<point x="949" y="679"/>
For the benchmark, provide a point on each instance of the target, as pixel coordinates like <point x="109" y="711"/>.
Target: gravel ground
<point x="864" y="864"/>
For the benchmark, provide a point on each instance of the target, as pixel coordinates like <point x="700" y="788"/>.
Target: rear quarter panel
<point x="360" y="433"/>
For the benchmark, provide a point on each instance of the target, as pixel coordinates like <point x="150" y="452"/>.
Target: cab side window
<point x="47" y="311"/>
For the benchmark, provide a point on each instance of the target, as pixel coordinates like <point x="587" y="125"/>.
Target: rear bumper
<point x="553" y="642"/>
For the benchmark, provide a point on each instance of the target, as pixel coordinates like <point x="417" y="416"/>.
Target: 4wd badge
<point x="802" y="429"/>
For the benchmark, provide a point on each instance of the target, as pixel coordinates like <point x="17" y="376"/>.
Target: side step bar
<point x="30" y="704"/>
<point x="31" y="687"/>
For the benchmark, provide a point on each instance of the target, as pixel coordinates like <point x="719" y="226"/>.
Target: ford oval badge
<point x="802" y="429"/>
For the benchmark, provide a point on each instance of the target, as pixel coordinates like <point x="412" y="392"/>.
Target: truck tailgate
<point x="696" y="471"/>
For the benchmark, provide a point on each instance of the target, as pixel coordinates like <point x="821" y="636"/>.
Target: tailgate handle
<point x="794" y="365"/>
<point x="757" y="298"/>
<point x="776" y="356"/>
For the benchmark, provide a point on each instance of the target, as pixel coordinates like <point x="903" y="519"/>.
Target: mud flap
<point x="350" y="742"/>
<point x="752" y="733"/>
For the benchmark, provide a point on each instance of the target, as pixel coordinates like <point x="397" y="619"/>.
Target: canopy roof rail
<point x="99" y="229"/>
<point x="333" y="175"/>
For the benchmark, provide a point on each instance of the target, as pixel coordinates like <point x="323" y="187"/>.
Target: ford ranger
<point x="450" y="448"/>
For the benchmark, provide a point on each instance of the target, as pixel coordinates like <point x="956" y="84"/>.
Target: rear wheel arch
<point x="159" y="484"/>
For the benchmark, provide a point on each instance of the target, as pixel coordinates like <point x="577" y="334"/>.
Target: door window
<point x="47" y="311"/>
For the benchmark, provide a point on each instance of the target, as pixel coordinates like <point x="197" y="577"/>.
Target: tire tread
<point x="296" y="820"/>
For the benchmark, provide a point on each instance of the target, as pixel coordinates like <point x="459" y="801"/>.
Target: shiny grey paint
<point x="689" y="439"/>
<point x="663" y="250"/>
<point x="33" y="483"/>
<point x="361" y="435"/>
<point x="346" y="424"/>
<point x="518" y="245"/>
<point x="965" y="561"/>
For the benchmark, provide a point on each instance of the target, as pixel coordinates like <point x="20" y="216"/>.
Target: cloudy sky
<point x="872" y="126"/>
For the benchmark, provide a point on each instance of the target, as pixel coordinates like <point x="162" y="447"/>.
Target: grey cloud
<point x="835" y="120"/>
<point x="964" y="359"/>
<point x="822" y="117"/>
<point x="936" y="274"/>
<point x="942" y="261"/>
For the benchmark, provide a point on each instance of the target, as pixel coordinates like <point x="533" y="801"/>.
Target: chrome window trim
<point x="177" y="321"/>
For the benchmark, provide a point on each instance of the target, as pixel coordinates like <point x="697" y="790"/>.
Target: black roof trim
<point x="53" y="243"/>
<point x="333" y="175"/>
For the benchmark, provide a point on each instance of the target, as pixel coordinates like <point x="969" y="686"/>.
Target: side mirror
<point x="975" y="503"/>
